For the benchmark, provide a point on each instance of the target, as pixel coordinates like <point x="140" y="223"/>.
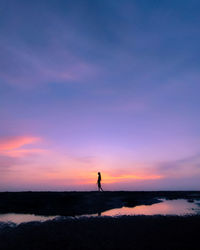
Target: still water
<point x="19" y="218"/>
<point x="165" y="207"/>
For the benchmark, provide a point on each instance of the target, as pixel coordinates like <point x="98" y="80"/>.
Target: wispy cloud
<point x="108" y="179"/>
<point x="184" y="167"/>
<point x="10" y="143"/>
<point x="25" y="67"/>
<point x="6" y="163"/>
<point x="25" y="152"/>
<point x="12" y="152"/>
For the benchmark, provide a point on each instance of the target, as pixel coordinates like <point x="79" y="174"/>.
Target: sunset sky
<point x="99" y="85"/>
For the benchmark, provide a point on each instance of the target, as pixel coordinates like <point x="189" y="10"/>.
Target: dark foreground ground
<point x="78" y="203"/>
<point x="128" y="232"/>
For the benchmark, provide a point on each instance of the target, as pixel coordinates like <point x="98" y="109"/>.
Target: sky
<point x="99" y="85"/>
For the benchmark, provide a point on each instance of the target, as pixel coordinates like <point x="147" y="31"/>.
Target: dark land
<point x="78" y="203"/>
<point x="125" y="232"/>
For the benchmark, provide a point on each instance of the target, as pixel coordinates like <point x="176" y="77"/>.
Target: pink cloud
<point x="10" y="143"/>
<point x="25" y="152"/>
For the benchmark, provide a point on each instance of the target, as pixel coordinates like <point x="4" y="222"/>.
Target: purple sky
<point x="105" y="85"/>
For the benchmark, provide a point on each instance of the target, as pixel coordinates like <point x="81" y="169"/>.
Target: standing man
<point x="99" y="182"/>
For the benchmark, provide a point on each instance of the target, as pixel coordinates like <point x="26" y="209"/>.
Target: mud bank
<point x="127" y="232"/>
<point x="78" y="203"/>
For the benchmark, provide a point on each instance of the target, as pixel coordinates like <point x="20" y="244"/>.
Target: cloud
<point x="188" y="166"/>
<point x="13" y="148"/>
<point x="116" y="176"/>
<point x="130" y="177"/>
<point x="12" y="152"/>
<point x="25" y="152"/>
<point x="10" y="143"/>
<point x="25" y="67"/>
<point x="6" y="163"/>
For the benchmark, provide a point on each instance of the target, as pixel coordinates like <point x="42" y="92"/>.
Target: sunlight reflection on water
<point x="19" y="218"/>
<point x="166" y="207"/>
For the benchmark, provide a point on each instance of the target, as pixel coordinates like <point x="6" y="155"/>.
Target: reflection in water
<point x="166" y="207"/>
<point x="19" y="218"/>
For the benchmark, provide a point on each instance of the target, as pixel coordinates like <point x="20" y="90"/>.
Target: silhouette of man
<point x="99" y="182"/>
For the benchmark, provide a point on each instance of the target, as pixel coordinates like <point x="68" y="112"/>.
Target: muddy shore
<point x="78" y="203"/>
<point x="127" y="232"/>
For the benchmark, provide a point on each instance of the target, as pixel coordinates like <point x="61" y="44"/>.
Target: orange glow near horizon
<point x="56" y="168"/>
<point x="91" y="177"/>
<point x="108" y="179"/>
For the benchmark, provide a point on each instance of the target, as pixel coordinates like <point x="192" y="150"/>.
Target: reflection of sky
<point x="20" y="218"/>
<point x="106" y="86"/>
<point x="167" y="207"/>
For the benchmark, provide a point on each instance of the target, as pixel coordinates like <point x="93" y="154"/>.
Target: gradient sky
<point x="99" y="85"/>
